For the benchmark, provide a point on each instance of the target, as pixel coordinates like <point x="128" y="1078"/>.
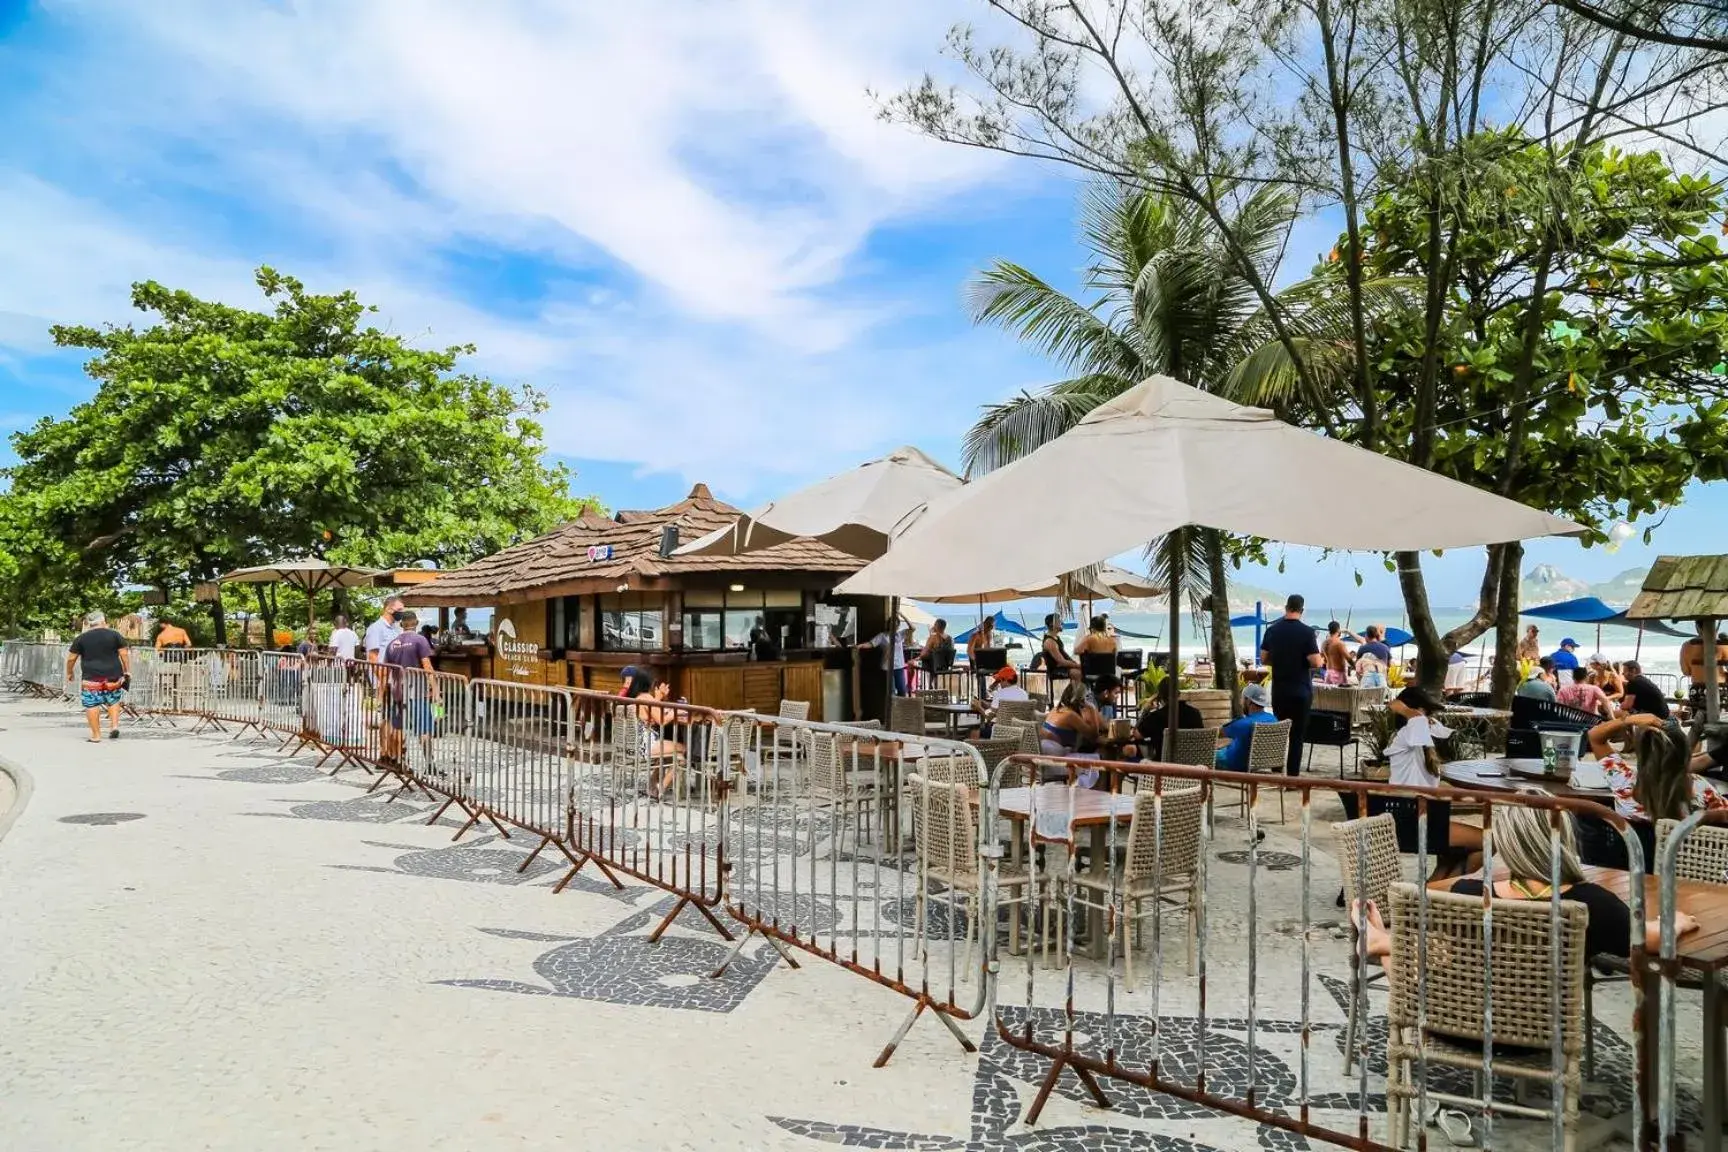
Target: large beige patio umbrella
<point x="854" y="511"/>
<point x="310" y="576"/>
<point x="1177" y="458"/>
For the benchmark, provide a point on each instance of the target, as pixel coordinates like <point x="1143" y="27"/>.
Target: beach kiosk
<point x="576" y="606"/>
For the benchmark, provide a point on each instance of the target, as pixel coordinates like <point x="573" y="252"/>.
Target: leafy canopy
<point x="221" y="437"/>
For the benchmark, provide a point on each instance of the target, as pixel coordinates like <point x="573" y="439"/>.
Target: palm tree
<point x="1169" y="297"/>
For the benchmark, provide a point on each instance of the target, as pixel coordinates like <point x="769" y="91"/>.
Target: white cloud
<point x="686" y="190"/>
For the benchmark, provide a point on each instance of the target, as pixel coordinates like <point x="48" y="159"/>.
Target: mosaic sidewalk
<point x="207" y="945"/>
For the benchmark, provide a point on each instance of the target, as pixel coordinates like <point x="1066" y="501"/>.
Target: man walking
<point x="106" y="673"/>
<point x="410" y="692"/>
<point x="1290" y="650"/>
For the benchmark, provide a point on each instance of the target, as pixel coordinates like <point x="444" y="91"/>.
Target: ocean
<point x="1657" y="653"/>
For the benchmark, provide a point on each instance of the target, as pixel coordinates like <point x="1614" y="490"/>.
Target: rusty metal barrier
<point x="1235" y="1031"/>
<point x="41" y="670"/>
<point x="650" y="796"/>
<point x="338" y="713"/>
<point x="866" y="848"/>
<point x="233" y="685"/>
<point x="1692" y="851"/>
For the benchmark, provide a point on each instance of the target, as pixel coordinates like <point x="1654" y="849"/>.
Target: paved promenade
<point x="208" y="946"/>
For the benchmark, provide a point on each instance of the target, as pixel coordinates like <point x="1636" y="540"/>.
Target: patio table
<point x="1094" y="811"/>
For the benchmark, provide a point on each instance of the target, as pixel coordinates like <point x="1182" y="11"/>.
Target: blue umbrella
<point x="1257" y="622"/>
<point x="1003" y="625"/>
<point x="1590" y="610"/>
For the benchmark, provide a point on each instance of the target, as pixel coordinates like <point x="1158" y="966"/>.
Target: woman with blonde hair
<point x="1658" y="783"/>
<point x="1523" y="870"/>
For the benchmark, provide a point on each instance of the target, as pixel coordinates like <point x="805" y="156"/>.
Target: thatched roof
<point x="559" y="564"/>
<point x="1683" y="588"/>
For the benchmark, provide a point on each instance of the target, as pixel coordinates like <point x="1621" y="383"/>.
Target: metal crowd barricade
<point x="338" y="712"/>
<point x="12" y="663"/>
<point x="1234" y="1030"/>
<point x="233" y="684"/>
<point x="649" y="797"/>
<point x="42" y="671"/>
<point x="1694" y="849"/>
<point x="865" y="848"/>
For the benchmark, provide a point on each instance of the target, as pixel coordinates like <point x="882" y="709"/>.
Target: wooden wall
<point x="759" y="686"/>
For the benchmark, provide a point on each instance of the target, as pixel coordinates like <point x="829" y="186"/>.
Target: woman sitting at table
<point x="652" y="724"/>
<point x="1414" y="764"/>
<point x="1071" y="729"/>
<point x="1097" y="639"/>
<point x="1661" y="784"/>
<point x="1522" y="871"/>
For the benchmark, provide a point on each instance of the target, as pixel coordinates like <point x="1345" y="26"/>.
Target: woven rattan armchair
<point x="1369" y="862"/>
<point x="1159" y="870"/>
<point x="1452" y="968"/>
<point x="1015" y="711"/>
<point x="997" y="749"/>
<point x="1197" y="747"/>
<point x="906" y="715"/>
<point x="946" y="832"/>
<point x="834" y="783"/>
<point x="1268" y="751"/>
<point x="1703" y="855"/>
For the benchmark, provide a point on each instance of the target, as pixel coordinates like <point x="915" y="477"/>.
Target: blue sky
<point x="690" y="231"/>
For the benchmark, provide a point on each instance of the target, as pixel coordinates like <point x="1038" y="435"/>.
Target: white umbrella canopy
<point x="310" y="576"/>
<point x="1107" y="582"/>
<point x="1198" y="461"/>
<point x="855" y="511"/>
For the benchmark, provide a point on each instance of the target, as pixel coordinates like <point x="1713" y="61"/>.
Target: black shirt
<point x="1288" y="644"/>
<point x="1610" y="929"/>
<point x="98" y="651"/>
<point x="1150" y="727"/>
<point x="1646" y="697"/>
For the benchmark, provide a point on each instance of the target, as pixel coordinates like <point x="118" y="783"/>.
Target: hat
<point x="1568" y="643"/>
<point x="1257" y="695"/>
<point x="1598" y="658"/>
<point x="1005" y="674"/>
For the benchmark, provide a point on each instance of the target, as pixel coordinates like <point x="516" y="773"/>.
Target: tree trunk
<point x="1506" y="628"/>
<point x="268" y="611"/>
<point x="1225" y="674"/>
<point x="1487" y="603"/>
<point x="1430" y="655"/>
<point x="219" y="621"/>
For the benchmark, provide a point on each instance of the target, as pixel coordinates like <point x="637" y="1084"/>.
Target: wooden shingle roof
<point x="562" y="557"/>
<point x="1683" y="588"/>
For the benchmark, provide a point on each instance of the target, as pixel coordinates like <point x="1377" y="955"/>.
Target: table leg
<point x="1100" y="871"/>
<point x="1713" y="1053"/>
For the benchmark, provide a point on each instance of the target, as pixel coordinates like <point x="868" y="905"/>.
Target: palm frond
<point x="1181" y="555"/>
<point x="1021" y="425"/>
<point x="1064" y="329"/>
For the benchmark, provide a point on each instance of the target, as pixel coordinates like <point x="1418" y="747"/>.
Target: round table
<point x="1510" y="774"/>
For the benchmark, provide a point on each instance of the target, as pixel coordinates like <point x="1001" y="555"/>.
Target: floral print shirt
<point x="1623" y="776"/>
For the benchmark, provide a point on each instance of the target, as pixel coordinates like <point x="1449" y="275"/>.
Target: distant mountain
<point x="1546" y="584"/>
<point x="1623" y="589"/>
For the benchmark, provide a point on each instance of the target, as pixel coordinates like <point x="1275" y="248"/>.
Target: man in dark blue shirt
<point x="1373" y="645"/>
<point x="1566" y="658"/>
<point x="1291" y="651"/>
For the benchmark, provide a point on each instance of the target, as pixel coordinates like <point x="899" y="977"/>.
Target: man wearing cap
<point x="1256" y="710"/>
<point x="1005" y="685"/>
<point x="1566" y="658"/>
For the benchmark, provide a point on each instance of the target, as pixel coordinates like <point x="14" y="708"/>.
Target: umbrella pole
<point x="1638" y="648"/>
<point x="1174" y="695"/>
<point x="1712" y="672"/>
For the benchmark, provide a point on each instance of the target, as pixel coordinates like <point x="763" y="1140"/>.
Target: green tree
<point x="1340" y="102"/>
<point x="221" y="437"/>
<point x="1164" y="299"/>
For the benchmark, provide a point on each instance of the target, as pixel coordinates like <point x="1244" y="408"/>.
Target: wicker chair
<point x="1703" y="856"/>
<point x="999" y="748"/>
<point x="1196" y="747"/>
<point x="1368" y="859"/>
<point x="834" y="784"/>
<point x="906" y="715"/>
<point x="788" y="740"/>
<point x="1162" y="874"/>
<point x="1015" y="711"/>
<point x="946" y="832"/>
<point x="1448" y="971"/>
<point x="933" y="695"/>
<point x="951" y="769"/>
<point x="1268" y="751"/>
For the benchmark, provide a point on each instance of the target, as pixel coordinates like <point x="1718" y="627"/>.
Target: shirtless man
<point x="1337" y="654"/>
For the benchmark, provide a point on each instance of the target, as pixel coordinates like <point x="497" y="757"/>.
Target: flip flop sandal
<point x="1457" y="1127"/>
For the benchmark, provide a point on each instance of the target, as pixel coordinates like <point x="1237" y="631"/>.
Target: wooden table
<point x="1703" y="951"/>
<point x="1510" y="775"/>
<point x="954" y="712"/>
<point x="1094" y="811"/>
